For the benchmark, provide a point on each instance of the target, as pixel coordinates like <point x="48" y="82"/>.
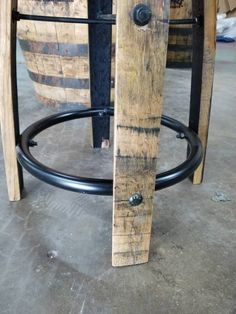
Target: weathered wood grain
<point x="8" y="100"/>
<point x="204" y="38"/>
<point x="180" y="36"/>
<point x="140" y="65"/>
<point x="56" y="49"/>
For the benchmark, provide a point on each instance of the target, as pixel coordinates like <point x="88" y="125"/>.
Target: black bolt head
<point x="136" y="199"/>
<point x="142" y="14"/>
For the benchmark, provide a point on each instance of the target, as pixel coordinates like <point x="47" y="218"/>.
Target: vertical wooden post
<point x="8" y="99"/>
<point x="140" y="66"/>
<point x="204" y="46"/>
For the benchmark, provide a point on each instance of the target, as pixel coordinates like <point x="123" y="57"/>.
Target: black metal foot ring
<point x="102" y="186"/>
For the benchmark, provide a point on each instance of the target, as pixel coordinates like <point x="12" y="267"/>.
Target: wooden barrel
<point x="180" y="36"/>
<point x="56" y="54"/>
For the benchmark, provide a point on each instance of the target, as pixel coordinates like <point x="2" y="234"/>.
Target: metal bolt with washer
<point x="136" y="199"/>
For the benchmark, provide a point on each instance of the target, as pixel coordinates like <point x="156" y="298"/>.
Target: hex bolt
<point x="32" y="143"/>
<point x="136" y="199"/>
<point x="181" y="136"/>
<point x="141" y="14"/>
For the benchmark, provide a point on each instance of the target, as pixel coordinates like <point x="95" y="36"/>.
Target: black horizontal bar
<point x="102" y="19"/>
<point x="192" y="21"/>
<point x="107" y="17"/>
<point x="179" y="65"/>
<point x="59" y="19"/>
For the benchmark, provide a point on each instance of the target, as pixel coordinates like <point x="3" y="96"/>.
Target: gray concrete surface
<point x="55" y="246"/>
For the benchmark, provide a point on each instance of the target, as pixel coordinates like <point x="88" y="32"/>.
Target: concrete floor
<point x="55" y="246"/>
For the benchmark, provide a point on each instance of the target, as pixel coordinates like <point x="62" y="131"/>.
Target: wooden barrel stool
<point x="141" y="49"/>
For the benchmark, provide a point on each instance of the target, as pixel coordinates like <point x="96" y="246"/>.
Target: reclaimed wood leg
<point x="140" y="66"/>
<point x="8" y="99"/>
<point x="204" y="46"/>
<point x="100" y="51"/>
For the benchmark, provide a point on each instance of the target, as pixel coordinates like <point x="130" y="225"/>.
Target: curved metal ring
<point x="102" y="186"/>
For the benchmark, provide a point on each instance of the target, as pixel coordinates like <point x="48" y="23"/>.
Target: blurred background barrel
<point x="180" y="36"/>
<point x="56" y="54"/>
